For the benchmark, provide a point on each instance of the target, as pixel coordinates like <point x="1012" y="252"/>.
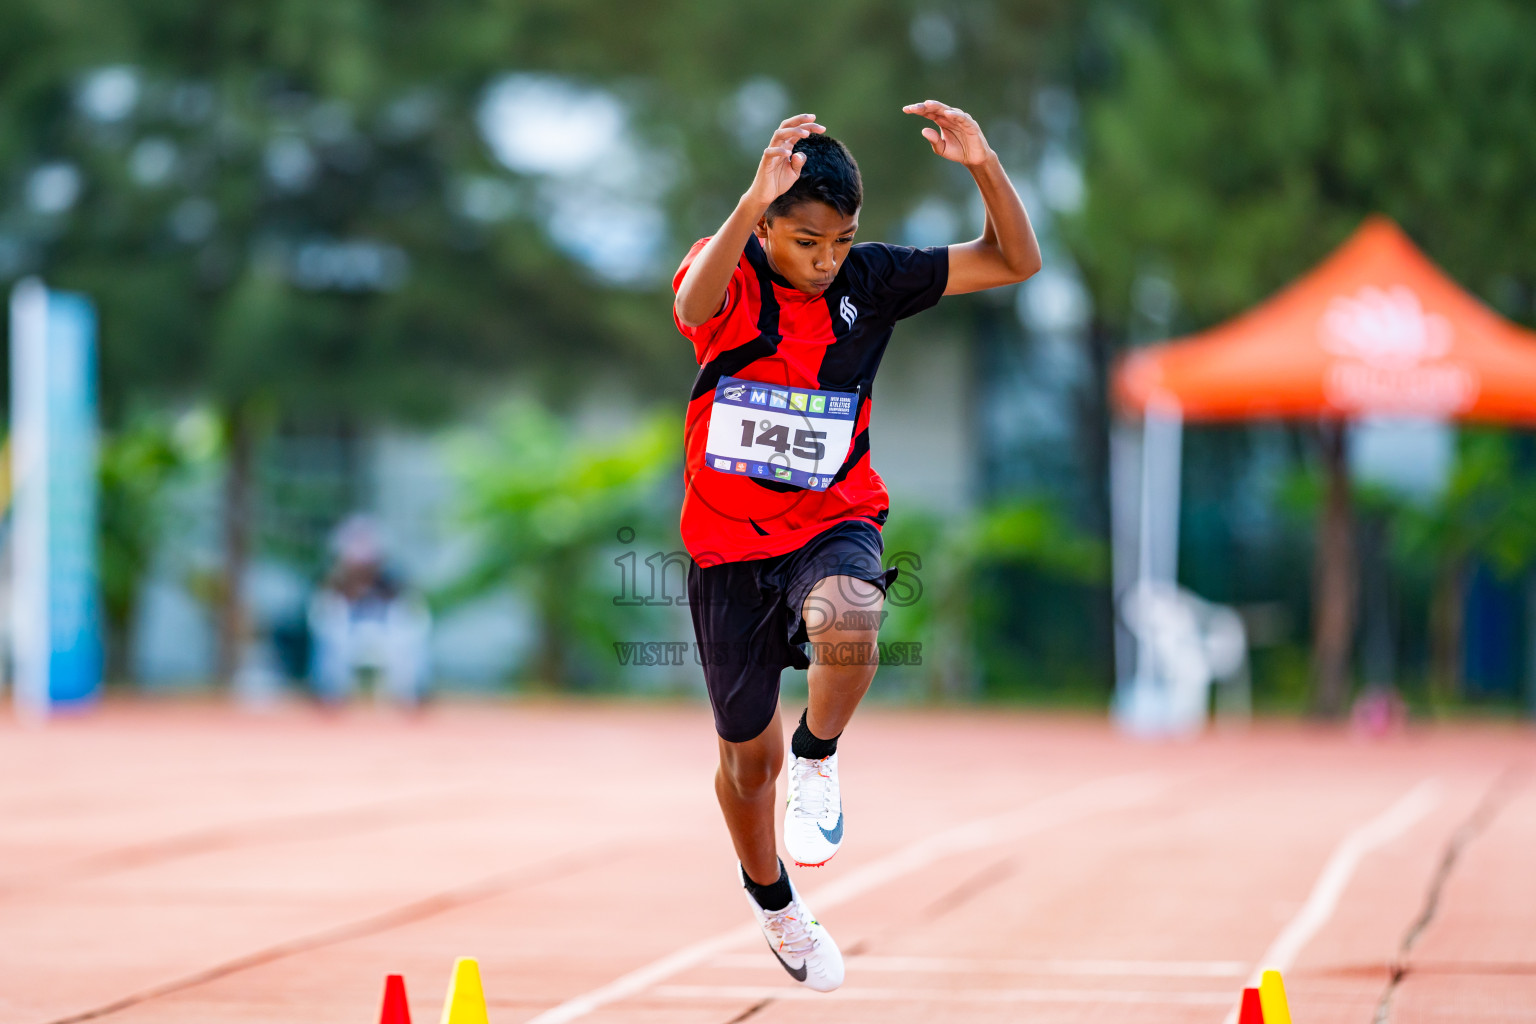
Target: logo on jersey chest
<point x="847" y="311"/>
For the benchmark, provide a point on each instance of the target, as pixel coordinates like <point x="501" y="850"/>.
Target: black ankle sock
<point x="807" y="744"/>
<point x="775" y="896"/>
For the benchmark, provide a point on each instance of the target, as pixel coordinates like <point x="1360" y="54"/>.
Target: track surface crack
<point x="311" y="826"/>
<point x="1488" y="808"/>
<point x="395" y="917"/>
<point x="750" y="1012"/>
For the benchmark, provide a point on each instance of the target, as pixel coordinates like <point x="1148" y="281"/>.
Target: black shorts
<point x="747" y="618"/>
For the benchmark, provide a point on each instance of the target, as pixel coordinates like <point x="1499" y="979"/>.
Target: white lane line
<point x="865" y="994"/>
<point x="1341" y="866"/>
<point x="1045" y="968"/>
<point x="1048" y="812"/>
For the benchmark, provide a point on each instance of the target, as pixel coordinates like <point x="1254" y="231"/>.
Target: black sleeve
<point x="904" y="281"/>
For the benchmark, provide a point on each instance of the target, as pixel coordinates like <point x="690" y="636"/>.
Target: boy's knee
<point x="749" y="772"/>
<point x="851" y="658"/>
<point x="844" y="608"/>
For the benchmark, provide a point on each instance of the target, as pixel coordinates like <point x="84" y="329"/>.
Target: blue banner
<point x="74" y="619"/>
<point x="56" y="602"/>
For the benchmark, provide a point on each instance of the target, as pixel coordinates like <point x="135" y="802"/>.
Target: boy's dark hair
<point x="830" y="176"/>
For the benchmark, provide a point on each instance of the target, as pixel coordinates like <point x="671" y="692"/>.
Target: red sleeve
<point x="704" y="335"/>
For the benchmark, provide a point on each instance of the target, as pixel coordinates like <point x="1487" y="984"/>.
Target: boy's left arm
<point x="1007" y="251"/>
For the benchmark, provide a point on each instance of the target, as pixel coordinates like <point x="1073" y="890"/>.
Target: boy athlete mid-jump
<point x="782" y="512"/>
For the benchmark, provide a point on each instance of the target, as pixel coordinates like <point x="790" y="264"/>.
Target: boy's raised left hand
<point x="956" y="136"/>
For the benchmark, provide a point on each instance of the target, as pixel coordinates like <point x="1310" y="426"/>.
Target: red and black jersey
<point x="771" y="332"/>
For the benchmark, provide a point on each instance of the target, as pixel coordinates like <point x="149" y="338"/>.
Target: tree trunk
<point x="1335" y="582"/>
<point x="117" y="666"/>
<point x="1095" y="416"/>
<point x="1446" y="628"/>
<point x="555" y="596"/>
<point x="1378" y="642"/>
<point x="953" y="655"/>
<point x="234" y="626"/>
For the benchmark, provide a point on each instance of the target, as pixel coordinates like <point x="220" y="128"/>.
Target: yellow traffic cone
<point x="1272" y="998"/>
<point x="466" y="999"/>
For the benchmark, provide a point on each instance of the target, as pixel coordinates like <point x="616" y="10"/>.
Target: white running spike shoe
<point x="813" y="818"/>
<point x="799" y="941"/>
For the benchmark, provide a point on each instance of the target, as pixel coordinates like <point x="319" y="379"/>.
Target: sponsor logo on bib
<point x="798" y="436"/>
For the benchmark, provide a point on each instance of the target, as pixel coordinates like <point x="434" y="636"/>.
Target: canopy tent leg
<point x="1146" y="471"/>
<point x="1125" y="532"/>
<point x="1530" y="640"/>
<point x="1335" y="580"/>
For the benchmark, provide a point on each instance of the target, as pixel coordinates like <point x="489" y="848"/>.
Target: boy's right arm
<point x="702" y="292"/>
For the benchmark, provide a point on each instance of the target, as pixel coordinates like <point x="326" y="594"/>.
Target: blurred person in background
<point x="363" y="620"/>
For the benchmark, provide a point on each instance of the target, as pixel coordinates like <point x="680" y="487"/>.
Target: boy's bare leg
<point x="842" y="612"/>
<point x="745" y="785"/>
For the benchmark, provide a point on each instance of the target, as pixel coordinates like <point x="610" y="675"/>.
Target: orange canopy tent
<point x="1376" y="329"/>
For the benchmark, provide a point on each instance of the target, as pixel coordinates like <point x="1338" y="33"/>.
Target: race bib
<point x="789" y="435"/>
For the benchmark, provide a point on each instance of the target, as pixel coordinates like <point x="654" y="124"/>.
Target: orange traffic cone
<point x="1252" y="1011"/>
<point x="396" y="1009"/>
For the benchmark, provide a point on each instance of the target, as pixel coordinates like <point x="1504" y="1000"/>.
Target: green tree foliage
<point x="710" y="82"/>
<point x="540" y="500"/>
<point x="1230" y="144"/>
<point x="295" y="212"/>
<point x="289" y="212"/>
<point x="297" y="203"/>
<point x="956" y="596"/>
<point x="1486" y="514"/>
<point x="270" y="205"/>
<point x="138" y="465"/>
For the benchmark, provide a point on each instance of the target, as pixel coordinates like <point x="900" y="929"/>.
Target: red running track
<point x="187" y="865"/>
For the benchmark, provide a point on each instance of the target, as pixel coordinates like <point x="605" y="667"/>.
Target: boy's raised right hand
<point x="780" y="167"/>
<point x="702" y="293"/>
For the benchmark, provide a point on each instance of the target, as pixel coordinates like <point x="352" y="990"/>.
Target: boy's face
<point x="807" y="245"/>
